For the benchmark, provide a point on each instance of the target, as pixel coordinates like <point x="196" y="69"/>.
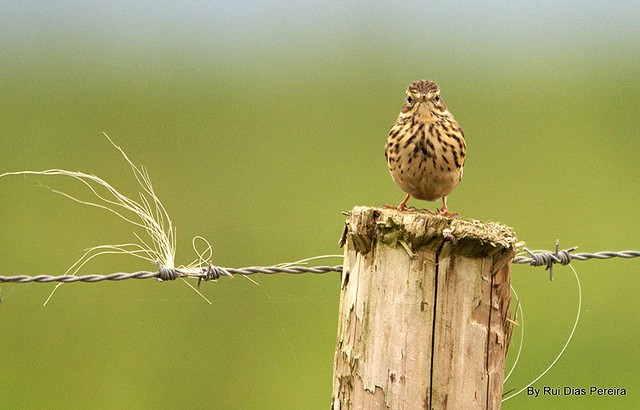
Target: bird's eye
<point x="437" y="98"/>
<point x="409" y="100"/>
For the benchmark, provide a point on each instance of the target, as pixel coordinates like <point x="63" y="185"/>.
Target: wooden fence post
<point x="424" y="312"/>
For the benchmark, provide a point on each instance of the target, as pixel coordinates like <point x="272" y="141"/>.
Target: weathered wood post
<point x="424" y="312"/>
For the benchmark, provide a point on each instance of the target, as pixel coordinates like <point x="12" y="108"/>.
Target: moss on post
<point x="424" y="311"/>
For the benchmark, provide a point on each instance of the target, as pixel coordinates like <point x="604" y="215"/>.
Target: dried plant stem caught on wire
<point x="158" y="243"/>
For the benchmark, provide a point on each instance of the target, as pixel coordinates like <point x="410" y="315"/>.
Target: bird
<point x="425" y="148"/>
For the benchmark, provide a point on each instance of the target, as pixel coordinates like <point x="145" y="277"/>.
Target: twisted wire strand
<point x="541" y="258"/>
<point x="164" y="274"/>
<point x="564" y="257"/>
<point x="83" y="278"/>
<point x="211" y="272"/>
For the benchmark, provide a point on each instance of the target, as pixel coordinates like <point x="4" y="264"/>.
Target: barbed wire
<point x="163" y="274"/>
<point x="564" y="257"/>
<point x="212" y="272"/>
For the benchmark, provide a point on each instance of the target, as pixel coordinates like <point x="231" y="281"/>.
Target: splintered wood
<point x="424" y="312"/>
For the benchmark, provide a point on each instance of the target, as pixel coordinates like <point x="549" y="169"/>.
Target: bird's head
<point x="423" y="98"/>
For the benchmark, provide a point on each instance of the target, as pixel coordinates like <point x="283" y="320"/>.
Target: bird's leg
<point x="403" y="204"/>
<point x="444" y="211"/>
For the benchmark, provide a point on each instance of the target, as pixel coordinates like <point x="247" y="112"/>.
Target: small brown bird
<point x="425" y="149"/>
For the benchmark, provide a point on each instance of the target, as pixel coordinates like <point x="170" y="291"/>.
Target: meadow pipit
<point x="425" y="149"/>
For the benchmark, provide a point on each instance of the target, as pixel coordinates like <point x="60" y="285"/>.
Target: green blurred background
<point x="259" y="123"/>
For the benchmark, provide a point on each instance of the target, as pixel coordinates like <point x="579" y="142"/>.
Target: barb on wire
<point x="564" y="257"/>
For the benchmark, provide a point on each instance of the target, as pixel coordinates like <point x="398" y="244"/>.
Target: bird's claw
<point x="400" y="207"/>
<point x="446" y="212"/>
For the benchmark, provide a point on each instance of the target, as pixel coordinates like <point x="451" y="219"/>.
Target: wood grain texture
<point x="423" y="320"/>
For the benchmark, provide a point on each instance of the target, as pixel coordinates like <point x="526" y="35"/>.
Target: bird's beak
<point x="423" y="97"/>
